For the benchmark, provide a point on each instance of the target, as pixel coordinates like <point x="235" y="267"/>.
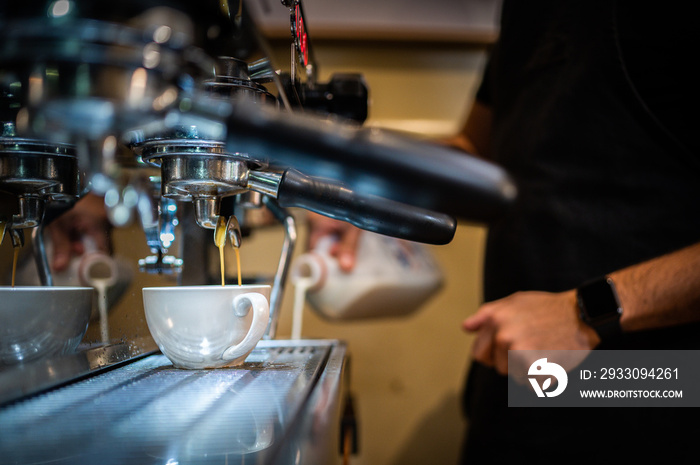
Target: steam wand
<point x="290" y="239"/>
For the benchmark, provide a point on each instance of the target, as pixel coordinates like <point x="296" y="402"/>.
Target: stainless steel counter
<point x="281" y="406"/>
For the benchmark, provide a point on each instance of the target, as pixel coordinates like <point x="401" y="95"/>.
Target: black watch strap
<point x="600" y="307"/>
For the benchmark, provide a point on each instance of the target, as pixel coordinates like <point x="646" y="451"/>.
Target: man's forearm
<point x="661" y="292"/>
<point x="475" y="136"/>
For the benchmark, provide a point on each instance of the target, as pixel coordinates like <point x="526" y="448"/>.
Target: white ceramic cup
<point x="207" y="326"/>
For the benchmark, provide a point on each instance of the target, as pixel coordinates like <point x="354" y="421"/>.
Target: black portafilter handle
<point x="367" y="212"/>
<point x="374" y="162"/>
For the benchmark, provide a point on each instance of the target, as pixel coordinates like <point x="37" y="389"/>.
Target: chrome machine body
<point x="280" y="407"/>
<point x="174" y="113"/>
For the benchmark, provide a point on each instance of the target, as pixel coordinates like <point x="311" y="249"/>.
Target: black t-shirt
<point x="592" y="104"/>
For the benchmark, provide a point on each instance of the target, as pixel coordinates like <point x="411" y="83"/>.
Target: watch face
<point x="598" y="299"/>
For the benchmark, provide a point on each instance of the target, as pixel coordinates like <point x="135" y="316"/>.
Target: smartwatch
<point x="600" y="308"/>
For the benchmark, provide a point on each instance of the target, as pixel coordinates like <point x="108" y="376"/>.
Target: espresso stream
<point x="15" y="255"/>
<point x="220" y="241"/>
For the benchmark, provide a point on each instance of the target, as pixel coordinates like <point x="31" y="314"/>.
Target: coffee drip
<point x="228" y="228"/>
<point x="17" y="244"/>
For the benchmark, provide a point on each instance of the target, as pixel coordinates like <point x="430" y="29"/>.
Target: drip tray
<point x="150" y="412"/>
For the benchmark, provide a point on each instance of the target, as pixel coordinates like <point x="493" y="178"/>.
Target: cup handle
<point x="261" y="313"/>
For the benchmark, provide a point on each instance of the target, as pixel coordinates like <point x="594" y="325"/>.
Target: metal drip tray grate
<point x="149" y="412"/>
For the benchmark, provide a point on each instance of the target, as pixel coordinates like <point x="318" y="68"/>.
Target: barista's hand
<point x="528" y="321"/>
<point x="345" y="249"/>
<point x="87" y="219"/>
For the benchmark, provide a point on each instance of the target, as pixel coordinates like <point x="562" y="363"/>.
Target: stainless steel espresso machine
<point x="175" y="113"/>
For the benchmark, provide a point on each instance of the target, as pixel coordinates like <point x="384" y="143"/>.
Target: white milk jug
<point x="392" y="277"/>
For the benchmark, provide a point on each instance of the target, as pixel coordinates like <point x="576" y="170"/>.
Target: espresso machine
<point x="175" y="114"/>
